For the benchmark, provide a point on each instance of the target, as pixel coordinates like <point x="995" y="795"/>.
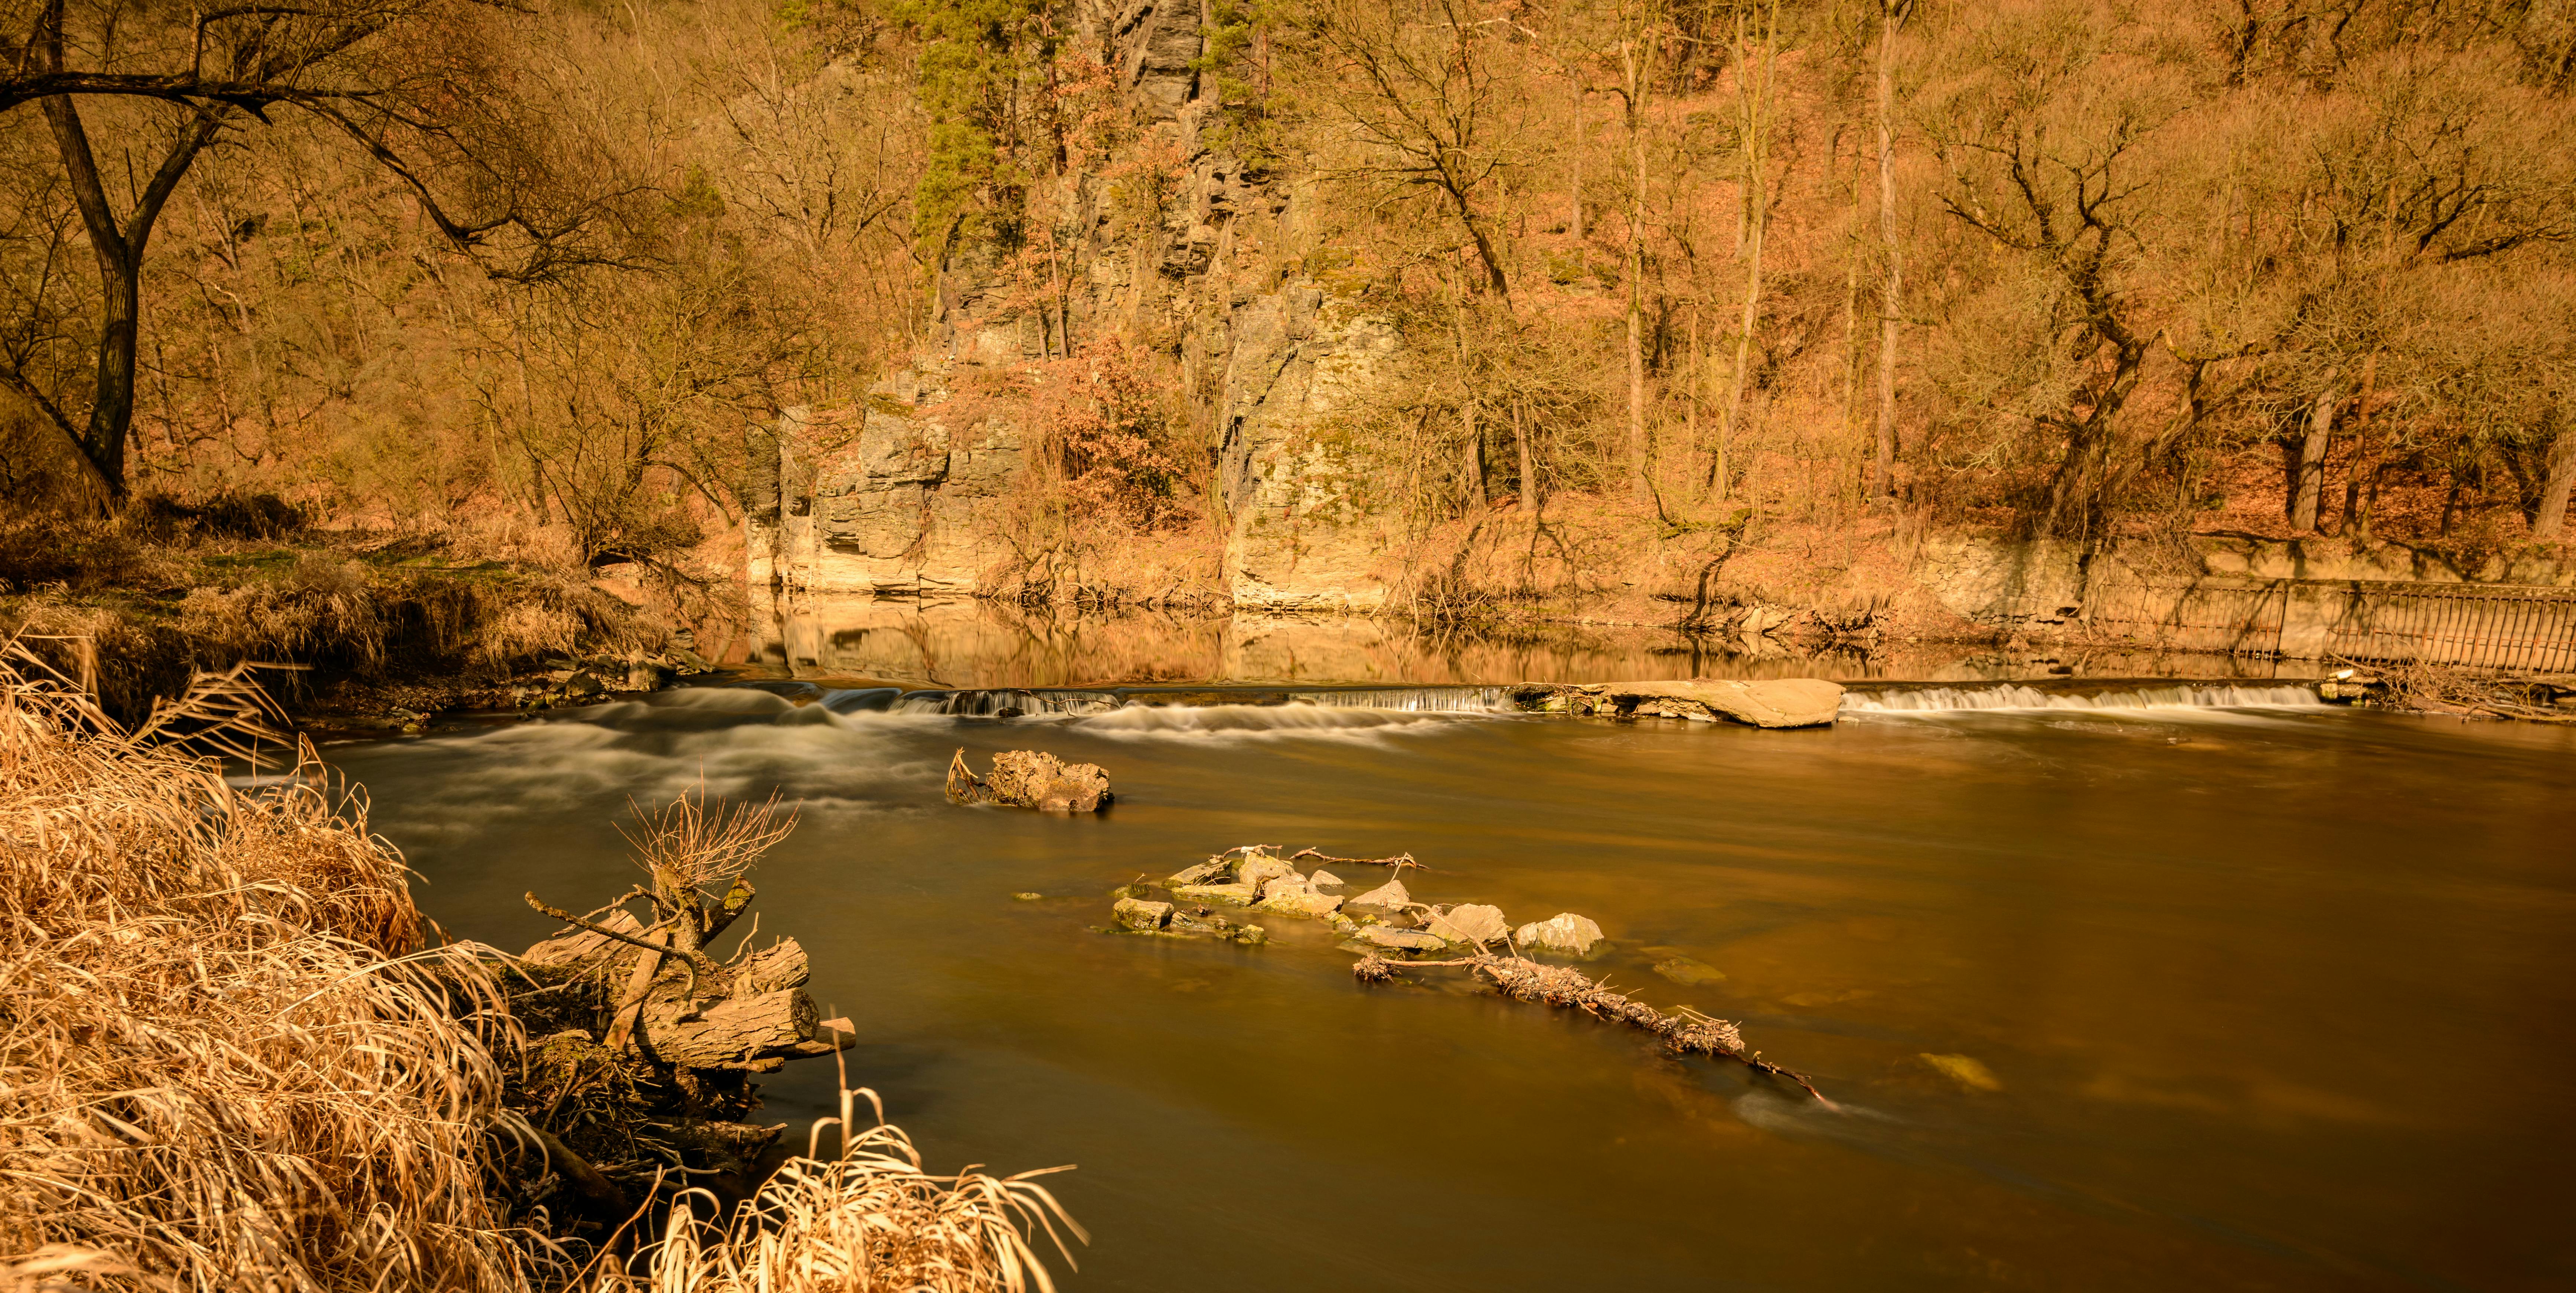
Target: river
<point x="2125" y="994"/>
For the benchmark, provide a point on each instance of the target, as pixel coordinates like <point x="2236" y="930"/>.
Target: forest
<point x="541" y="281"/>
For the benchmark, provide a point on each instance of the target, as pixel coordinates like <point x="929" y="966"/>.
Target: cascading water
<point x="2018" y="696"/>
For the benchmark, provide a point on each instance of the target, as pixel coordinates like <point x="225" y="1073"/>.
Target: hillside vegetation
<point x="541" y="281"/>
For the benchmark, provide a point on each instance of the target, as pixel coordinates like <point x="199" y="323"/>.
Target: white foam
<point x="1240" y="722"/>
<point x="2014" y="696"/>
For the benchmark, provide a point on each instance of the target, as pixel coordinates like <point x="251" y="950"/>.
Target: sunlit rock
<point x="1473" y="923"/>
<point x="1404" y="940"/>
<point x="1141" y="916"/>
<point x="1563" y="932"/>
<point x="1389" y="897"/>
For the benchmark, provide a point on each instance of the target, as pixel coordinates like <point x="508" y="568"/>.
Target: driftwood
<point x="1685" y="1032"/>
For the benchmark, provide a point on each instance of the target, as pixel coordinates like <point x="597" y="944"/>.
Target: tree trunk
<point x="1472" y="471"/>
<point x="2310" y="488"/>
<point x="119" y="249"/>
<point x="1637" y="446"/>
<point x="1755" y="137"/>
<point x="1578" y="161"/>
<point x="1529" y="473"/>
<point x="1891" y="287"/>
<point x="2550" y="522"/>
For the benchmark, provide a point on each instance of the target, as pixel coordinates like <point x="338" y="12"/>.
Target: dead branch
<point x="694" y="962"/>
<point x="1685" y="1032"/>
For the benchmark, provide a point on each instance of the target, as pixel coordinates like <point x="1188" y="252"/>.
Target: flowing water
<point x="2152" y="987"/>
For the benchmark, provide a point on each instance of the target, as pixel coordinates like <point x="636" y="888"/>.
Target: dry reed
<point x="230" y="1059"/>
<point x="227" y="1058"/>
<point x="867" y="1218"/>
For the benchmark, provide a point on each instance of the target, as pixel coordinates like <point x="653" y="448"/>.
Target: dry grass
<point x="868" y="1218"/>
<point x="230" y="1059"/>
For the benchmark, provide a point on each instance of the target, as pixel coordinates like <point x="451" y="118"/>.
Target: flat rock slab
<point x="1473" y="923"/>
<point x="1404" y="940"/>
<point x="1766" y="702"/>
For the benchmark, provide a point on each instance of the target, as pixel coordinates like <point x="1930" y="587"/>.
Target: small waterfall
<point x="1412" y="700"/>
<point x="2021" y="696"/>
<point x="1003" y="702"/>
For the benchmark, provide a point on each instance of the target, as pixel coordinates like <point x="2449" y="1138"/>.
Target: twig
<point x="1399" y="861"/>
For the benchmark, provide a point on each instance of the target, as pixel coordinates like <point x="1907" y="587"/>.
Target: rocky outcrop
<point x="910" y="491"/>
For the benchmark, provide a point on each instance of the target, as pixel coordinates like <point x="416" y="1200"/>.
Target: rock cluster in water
<point x="1385" y="919"/>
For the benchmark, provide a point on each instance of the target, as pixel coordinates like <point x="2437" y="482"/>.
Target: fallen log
<point x="1684" y="1032"/>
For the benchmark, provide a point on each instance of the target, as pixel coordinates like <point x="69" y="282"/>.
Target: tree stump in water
<point x="1030" y="779"/>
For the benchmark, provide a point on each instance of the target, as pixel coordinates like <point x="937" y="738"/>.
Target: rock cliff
<point x="917" y="496"/>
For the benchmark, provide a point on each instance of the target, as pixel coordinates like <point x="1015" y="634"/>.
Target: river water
<point x="2112" y="989"/>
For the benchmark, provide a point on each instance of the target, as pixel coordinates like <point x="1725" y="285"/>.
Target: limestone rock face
<point x="1563" y="932"/>
<point x="1472" y="923"/>
<point x="907" y="492"/>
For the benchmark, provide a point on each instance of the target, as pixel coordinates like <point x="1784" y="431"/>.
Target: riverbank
<point x="240" y="1051"/>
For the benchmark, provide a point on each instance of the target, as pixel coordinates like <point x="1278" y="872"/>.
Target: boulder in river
<point x="1259" y="869"/>
<point x="1030" y="779"/>
<point x="1322" y="878"/>
<point x="1473" y="923"/>
<point x="1563" y="932"/>
<point x="1212" y="871"/>
<point x="1387" y="897"/>
<point x="1141" y="916"/>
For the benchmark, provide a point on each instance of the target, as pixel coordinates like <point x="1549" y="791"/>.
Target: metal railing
<point x="2493" y="626"/>
<point x="2530" y="630"/>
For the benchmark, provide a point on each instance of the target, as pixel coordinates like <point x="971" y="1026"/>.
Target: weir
<point x="2097" y="695"/>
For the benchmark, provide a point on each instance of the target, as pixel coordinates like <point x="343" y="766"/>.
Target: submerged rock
<point x="1141" y="916"/>
<point x="1473" y="923"/>
<point x="1563" y="932"/>
<point x="1030" y="779"/>
<point x="1689" y="973"/>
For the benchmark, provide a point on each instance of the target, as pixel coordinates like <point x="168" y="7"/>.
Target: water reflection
<point x="969" y="644"/>
<point x="2247" y="996"/>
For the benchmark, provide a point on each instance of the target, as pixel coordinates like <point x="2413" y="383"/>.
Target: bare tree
<point x="409" y="83"/>
<point x="1424" y="102"/>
